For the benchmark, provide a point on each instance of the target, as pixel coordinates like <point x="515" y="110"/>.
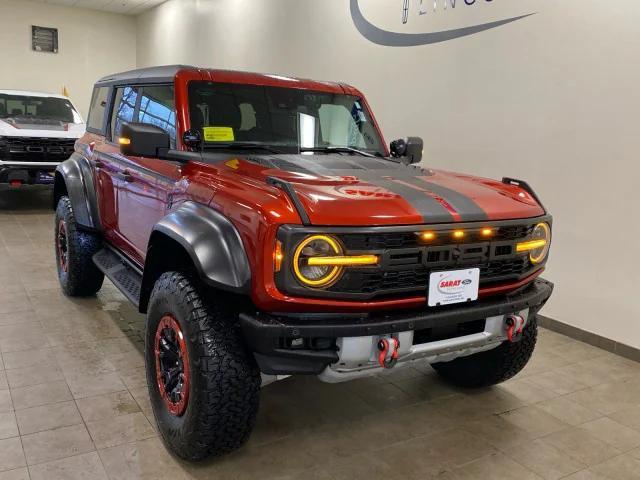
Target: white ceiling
<point x="128" y="7"/>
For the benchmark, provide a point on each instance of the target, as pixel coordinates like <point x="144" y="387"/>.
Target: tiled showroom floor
<point x="73" y="401"/>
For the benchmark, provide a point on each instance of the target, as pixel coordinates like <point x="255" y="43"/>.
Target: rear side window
<point x="124" y="107"/>
<point x="157" y="107"/>
<point x="95" y="121"/>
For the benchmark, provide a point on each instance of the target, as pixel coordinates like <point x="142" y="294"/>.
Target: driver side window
<point x="152" y="104"/>
<point x="123" y="109"/>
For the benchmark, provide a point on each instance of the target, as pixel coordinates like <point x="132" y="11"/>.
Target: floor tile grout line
<point x="24" y="453"/>
<point x="589" y="435"/>
<point x="589" y="467"/>
<point x="49" y="429"/>
<point x="45" y="405"/>
<point x="75" y="455"/>
<point x="500" y="453"/>
<point x="84" y="423"/>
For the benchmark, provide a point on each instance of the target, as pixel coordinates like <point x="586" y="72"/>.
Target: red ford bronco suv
<point x="265" y="229"/>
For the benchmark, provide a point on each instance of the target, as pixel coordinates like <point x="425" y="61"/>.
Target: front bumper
<point x="270" y="336"/>
<point x="27" y="172"/>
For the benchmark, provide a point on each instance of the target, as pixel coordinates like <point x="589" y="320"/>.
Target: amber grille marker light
<point x="458" y="234"/>
<point x="428" y="236"/>
<point x="486" y="232"/>
<point x="124" y="141"/>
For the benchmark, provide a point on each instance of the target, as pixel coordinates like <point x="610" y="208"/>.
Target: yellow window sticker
<point x="218" y="134"/>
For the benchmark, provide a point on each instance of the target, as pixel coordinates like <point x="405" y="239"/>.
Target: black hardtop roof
<point x="167" y="74"/>
<point x="164" y="73"/>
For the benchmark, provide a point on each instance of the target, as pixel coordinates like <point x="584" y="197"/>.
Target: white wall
<point x="552" y="99"/>
<point x="91" y="44"/>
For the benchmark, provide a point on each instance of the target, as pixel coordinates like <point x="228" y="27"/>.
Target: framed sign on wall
<point x="44" y="39"/>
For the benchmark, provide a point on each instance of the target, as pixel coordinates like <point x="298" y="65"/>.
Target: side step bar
<point x="124" y="276"/>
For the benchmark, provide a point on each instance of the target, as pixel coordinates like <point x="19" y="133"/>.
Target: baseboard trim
<point x="576" y="333"/>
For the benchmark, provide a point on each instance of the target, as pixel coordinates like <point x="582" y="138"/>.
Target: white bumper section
<point x="358" y="356"/>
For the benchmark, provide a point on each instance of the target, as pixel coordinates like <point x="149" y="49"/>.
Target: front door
<point x="145" y="185"/>
<point x="144" y="197"/>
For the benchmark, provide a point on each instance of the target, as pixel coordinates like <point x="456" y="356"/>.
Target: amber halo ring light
<point x="538" y="246"/>
<point x="319" y="260"/>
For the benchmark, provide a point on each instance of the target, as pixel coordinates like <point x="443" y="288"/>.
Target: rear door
<point x="104" y="186"/>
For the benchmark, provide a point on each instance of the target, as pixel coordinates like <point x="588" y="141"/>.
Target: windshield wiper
<point x="240" y="146"/>
<point x="350" y="150"/>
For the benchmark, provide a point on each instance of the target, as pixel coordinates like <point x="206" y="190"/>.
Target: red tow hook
<point x="388" y="356"/>
<point x="515" y="327"/>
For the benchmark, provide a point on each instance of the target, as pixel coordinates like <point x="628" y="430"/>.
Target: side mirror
<point x="409" y="148"/>
<point x="192" y="139"/>
<point x="143" y="140"/>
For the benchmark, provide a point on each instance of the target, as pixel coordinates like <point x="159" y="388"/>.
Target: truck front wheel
<point x="203" y="383"/>
<point x="494" y="366"/>
<point x="78" y="275"/>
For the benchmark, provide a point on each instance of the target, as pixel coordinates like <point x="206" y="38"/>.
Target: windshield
<point x="38" y="108"/>
<point x="285" y="118"/>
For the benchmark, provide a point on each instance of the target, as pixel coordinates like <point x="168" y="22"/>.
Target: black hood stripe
<point x="407" y="182"/>
<point x="435" y="204"/>
<point x="468" y="210"/>
<point x="373" y="171"/>
<point x="429" y="208"/>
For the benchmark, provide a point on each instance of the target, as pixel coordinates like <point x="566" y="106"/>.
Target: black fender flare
<point x="75" y="176"/>
<point x="213" y="243"/>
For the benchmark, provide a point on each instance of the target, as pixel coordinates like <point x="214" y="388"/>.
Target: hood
<point x="355" y="190"/>
<point x="20" y="126"/>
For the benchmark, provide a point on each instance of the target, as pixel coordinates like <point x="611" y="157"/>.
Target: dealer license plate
<point x="44" y="177"/>
<point x="454" y="286"/>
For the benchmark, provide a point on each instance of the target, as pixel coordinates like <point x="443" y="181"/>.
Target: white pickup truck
<point x="37" y="132"/>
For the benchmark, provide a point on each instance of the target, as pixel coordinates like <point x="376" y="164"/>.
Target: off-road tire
<point x="494" y="366"/>
<point x="81" y="278"/>
<point x="224" y="383"/>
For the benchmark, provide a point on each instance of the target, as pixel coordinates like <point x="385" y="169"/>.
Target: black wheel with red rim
<point x="74" y="249"/>
<point x="204" y="385"/>
<point x="62" y="245"/>
<point x="172" y="365"/>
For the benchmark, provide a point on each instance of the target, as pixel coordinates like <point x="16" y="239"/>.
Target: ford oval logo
<point x="388" y="38"/>
<point x="467" y="281"/>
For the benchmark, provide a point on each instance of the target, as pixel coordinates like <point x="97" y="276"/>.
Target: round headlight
<point x="316" y="275"/>
<point x="542" y="231"/>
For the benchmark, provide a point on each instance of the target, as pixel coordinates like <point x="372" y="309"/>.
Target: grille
<point x="406" y="260"/>
<point x="383" y="241"/>
<point x="29" y="149"/>
<point x="417" y="277"/>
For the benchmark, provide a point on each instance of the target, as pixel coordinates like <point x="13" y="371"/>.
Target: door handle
<point x="127" y="177"/>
